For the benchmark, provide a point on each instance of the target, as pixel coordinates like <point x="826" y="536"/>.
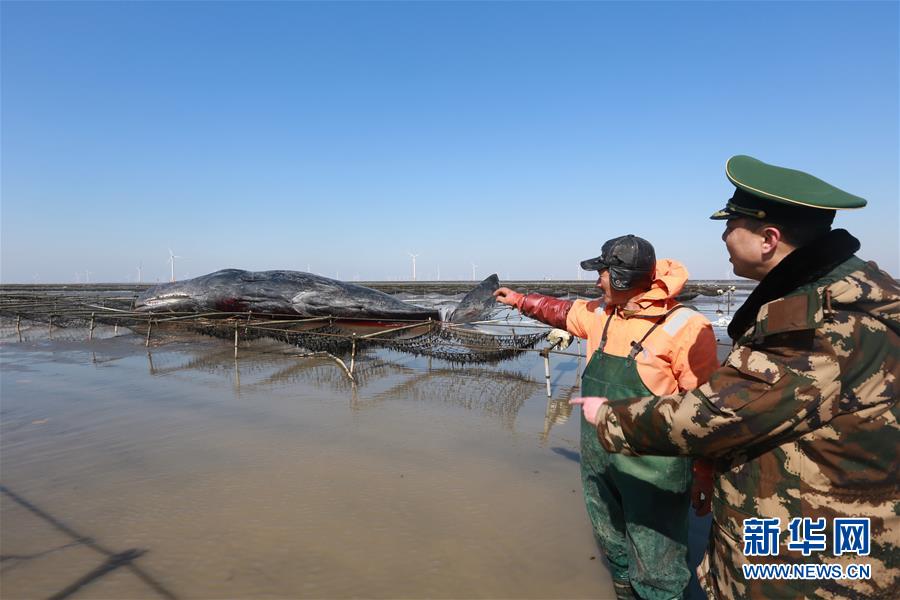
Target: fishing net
<point x="454" y="343"/>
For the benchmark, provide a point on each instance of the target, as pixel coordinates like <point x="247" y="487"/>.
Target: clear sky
<point x="340" y="137"/>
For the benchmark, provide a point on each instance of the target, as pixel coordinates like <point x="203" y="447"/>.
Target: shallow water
<point x="273" y="476"/>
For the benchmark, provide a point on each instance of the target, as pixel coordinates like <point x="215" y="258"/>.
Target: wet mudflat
<point x="182" y="472"/>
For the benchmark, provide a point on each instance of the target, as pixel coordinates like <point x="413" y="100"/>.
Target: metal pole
<point x="547" y="372"/>
<point x="580" y="354"/>
<point x="546" y="354"/>
<point x="235" y="340"/>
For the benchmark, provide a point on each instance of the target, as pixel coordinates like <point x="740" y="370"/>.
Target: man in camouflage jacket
<point x="802" y="417"/>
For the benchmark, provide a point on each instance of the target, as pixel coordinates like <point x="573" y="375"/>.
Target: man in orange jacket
<point x="640" y="342"/>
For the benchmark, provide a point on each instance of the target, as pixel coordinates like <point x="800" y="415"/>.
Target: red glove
<point x="702" y="489"/>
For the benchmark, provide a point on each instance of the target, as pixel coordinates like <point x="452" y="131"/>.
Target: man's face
<point x="745" y="246"/>
<point x="612" y="295"/>
<point x="603" y="282"/>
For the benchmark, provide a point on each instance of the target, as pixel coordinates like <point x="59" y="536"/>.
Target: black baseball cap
<point x="631" y="262"/>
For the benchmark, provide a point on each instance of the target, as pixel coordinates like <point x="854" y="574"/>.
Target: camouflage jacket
<point x="802" y="421"/>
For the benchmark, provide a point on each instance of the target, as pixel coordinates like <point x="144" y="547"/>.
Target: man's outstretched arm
<point x="545" y="309"/>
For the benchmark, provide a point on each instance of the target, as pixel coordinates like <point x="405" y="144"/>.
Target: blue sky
<point x="339" y="137"/>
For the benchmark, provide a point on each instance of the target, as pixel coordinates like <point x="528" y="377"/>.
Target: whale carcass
<point x="295" y="293"/>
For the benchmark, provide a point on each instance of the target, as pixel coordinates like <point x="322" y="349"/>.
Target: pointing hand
<point x="509" y="297"/>
<point x="589" y="406"/>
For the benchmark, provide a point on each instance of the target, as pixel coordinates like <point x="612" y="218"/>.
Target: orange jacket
<point x="678" y="356"/>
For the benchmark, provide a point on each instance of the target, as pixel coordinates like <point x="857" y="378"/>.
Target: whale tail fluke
<point x="478" y="304"/>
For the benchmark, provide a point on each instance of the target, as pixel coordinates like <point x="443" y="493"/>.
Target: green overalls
<point x="637" y="505"/>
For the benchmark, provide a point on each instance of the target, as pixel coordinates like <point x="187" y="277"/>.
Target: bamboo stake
<point x="343" y="365"/>
<point x="394" y="330"/>
<point x="352" y="356"/>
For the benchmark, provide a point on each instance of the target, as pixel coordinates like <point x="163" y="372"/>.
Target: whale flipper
<point x="478" y="304"/>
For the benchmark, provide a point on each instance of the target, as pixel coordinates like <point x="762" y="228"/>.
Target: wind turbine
<point x="172" y="258"/>
<point x="140" y="269"/>
<point x="474" y="266"/>
<point x="414" y="264"/>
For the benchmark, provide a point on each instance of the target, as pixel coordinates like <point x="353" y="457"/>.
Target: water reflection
<point x="281" y="366"/>
<point x="558" y="409"/>
<point x="491" y="392"/>
<point x="378" y="377"/>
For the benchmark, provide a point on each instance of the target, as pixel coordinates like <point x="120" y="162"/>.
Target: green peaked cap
<point x="785" y="187"/>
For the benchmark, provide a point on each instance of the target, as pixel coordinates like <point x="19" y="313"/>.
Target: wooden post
<point x="50" y="329"/>
<point x="91" y="334"/>
<point x="235" y="339"/>
<point x="352" y="355"/>
<point x="18" y="326"/>
<point x="149" y="327"/>
<point x="116" y="329"/>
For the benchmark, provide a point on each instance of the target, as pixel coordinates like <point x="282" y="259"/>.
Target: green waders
<point x="637" y="505"/>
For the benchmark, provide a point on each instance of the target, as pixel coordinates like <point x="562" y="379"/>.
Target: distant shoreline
<point x="547" y="287"/>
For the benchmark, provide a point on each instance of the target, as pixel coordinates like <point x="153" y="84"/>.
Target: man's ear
<point x="771" y="238"/>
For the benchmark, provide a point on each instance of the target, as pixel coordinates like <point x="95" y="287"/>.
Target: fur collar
<point x="800" y="267"/>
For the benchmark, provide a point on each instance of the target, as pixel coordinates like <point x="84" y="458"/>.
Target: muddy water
<point x="182" y="472"/>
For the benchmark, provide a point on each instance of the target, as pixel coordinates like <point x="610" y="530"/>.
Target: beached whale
<point x="301" y="294"/>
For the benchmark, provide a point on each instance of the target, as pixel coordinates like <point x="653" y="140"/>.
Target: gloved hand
<point x="702" y="488"/>
<point x="504" y="295"/>
<point x="560" y="338"/>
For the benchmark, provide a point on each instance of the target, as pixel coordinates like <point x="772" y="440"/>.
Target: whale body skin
<point x="300" y="294"/>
